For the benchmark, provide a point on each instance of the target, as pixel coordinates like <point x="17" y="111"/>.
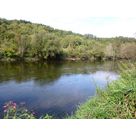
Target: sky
<point x="103" y="18"/>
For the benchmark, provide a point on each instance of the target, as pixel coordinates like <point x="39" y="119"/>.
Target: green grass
<point x="117" y="101"/>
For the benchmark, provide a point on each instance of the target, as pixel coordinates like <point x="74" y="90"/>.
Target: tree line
<point x="20" y="39"/>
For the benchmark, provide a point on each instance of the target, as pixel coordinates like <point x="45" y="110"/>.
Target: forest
<point x="23" y="40"/>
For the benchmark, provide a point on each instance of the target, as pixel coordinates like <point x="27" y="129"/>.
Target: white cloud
<point x="100" y="17"/>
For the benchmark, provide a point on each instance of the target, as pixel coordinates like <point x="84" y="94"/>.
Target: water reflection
<point x="53" y="88"/>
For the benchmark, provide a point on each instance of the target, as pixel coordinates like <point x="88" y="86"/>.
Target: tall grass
<point x="117" y="101"/>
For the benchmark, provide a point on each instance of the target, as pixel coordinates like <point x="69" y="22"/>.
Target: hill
<point x="20" y="39"/>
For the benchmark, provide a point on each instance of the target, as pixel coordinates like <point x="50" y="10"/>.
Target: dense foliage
<point x="23" y="40"/>
<point x="118" y="101"/>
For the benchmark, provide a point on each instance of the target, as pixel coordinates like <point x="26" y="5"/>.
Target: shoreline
<point x="64" y="59"/>
<point x="117" y="101"/>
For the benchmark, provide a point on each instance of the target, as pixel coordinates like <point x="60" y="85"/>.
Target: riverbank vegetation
<point x="117" y="101"/>
<point x="14" y="111"/>
<point x="23" y="40"/>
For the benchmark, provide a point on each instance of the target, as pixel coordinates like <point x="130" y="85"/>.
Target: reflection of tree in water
<point x="41" y="72"/>
<point x="29" y="71"/>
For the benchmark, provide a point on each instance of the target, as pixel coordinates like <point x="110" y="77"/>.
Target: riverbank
<point x="92" y="59"/>
<point x="118" y="101"/>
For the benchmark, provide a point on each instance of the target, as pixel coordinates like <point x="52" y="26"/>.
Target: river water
<point x="55" y="88"/>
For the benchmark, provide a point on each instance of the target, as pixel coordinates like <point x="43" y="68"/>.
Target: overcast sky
<point x="103" y="18"/>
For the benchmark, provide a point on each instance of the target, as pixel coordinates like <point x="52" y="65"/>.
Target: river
<point x="55" y="88"/>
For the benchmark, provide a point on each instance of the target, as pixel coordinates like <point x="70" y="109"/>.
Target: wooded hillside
<point x="21" y="39"/>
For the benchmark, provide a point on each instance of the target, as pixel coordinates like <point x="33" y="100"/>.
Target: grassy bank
<point x="118" y="101"/>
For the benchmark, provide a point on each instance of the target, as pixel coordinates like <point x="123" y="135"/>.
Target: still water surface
<point x="56" y="88"/>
